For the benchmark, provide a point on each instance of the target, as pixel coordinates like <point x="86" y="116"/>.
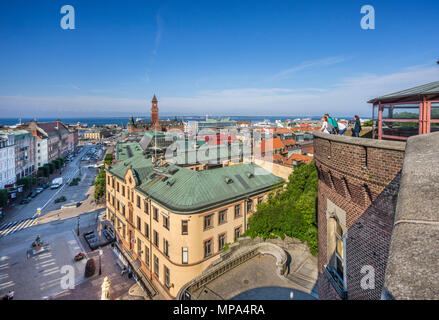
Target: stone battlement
<point x="358" y="187"/>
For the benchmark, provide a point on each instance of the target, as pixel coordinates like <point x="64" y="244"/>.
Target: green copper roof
<point x="128" y="150"/>
<point x="188" y="191"/>
<point x="429" y="90"/>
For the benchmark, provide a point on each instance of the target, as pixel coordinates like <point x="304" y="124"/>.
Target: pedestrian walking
<point x="341" y="128"/>
<point x="11" y="295"/>
<point x="357" y="127"/>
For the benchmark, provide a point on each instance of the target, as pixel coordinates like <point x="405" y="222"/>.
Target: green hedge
<point x="290" y="212"/>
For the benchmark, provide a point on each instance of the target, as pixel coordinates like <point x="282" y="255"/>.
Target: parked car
<point x="39" y="190"/>
<point x="45" y="186"/>
<point x="33" y="194"/>
<point x="25" y="200"/>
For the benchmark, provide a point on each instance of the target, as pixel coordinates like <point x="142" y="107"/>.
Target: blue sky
<point x="211" y="57"/>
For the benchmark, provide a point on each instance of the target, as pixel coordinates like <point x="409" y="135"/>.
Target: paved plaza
<point x="256" y="279"/>
<point x="122" y="287"/>
<point x="38" y="276"/>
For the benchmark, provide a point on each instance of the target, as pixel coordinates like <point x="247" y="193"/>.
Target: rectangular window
<point x="147" y="256"/>
<point x="123" y="191"/>
<point x="117" y="186"/>
<point x="237" y="232"/>
<point x="249" y="206"/>
<point x="155" y="214"/>
<point x="222" y="216"/>
<point x="138" y="202"/>
<point x="237" y="211"/>
<point x="184" y="255"/>
<point x="221" y="241"/>
<point x="208" y="222"/>
<point x="123" y="209"/>
<point x="146" y="230"/>
<point x="156" y="265"/>
<point x="139" y="247"/>
<point x="166" y="247"/>
<point x="167" y="277"/>
<point x="139" y="224"/>
<point x="156" y="238"/>
<point x="166" y="222"/>
<point x="145" y="203"/>
<point x="260" y="200"/>
<point x="184" y="227"/>
<point x="108" y="180"/>
<point x="207" y="248"/>
<point x="118" y="205"/>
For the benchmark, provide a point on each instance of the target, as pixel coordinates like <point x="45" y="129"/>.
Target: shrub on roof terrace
<point x="291" y="212"/>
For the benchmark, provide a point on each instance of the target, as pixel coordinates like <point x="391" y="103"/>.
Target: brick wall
<point x="361" y="177"/>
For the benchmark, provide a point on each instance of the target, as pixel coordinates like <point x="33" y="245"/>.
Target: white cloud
<point x="306" y="65"/>
<point x="346" y="97"/>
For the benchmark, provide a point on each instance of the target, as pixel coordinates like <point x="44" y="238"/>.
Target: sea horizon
<point x="103" y="120"/>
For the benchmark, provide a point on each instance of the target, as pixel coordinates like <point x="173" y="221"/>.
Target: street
<point x="23" y="216"/>
<point x="39" y="275"/>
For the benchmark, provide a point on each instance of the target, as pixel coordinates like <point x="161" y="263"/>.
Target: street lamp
<point x="100" y="266"/>
<point x="77" y="228"/>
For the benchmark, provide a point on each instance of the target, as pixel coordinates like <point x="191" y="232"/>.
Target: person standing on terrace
<point x="325" y="126"/>
<point x="333" y="122"/>
<point x="357" y="127"/>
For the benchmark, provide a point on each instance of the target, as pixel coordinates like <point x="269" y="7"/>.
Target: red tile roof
<point x="299" y="158"/>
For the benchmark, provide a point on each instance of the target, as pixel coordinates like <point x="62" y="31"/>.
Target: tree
<point x="108" y="158"/>
<point x="90" y="268"/>
<point x="3" y="197"/>
<point x="51" y="167"/>
<point x="290" y="212"/>
<point x="43" y="171"/>
<point x="100" y="185"/>
<point x="57" y="163"/>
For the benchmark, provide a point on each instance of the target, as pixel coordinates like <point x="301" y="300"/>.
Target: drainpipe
<point x="150" y="237"/>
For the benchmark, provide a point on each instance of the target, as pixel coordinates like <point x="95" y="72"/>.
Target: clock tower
<point x="154" y="110"/>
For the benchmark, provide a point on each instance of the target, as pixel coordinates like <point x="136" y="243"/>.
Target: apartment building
<point x="53" y="140"/>
<point x="24" y="152"/>
<point x="176" y="221"/>
<point x="7" y="160"/>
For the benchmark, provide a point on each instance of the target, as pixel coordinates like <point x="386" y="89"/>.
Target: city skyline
<point x="216" y="58"/>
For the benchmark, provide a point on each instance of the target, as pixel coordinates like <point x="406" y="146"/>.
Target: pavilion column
<point x="421" y="118"/>
<point x="428" y="117"/>
<point x="380" y="122"/>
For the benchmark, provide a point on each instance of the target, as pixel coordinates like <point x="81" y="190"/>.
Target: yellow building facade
<point x="176" y="241"/>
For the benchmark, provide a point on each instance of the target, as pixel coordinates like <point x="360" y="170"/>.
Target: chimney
<point x="57" y="124"/>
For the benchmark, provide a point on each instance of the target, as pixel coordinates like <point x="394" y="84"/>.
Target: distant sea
<point x="100" y="121"/>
